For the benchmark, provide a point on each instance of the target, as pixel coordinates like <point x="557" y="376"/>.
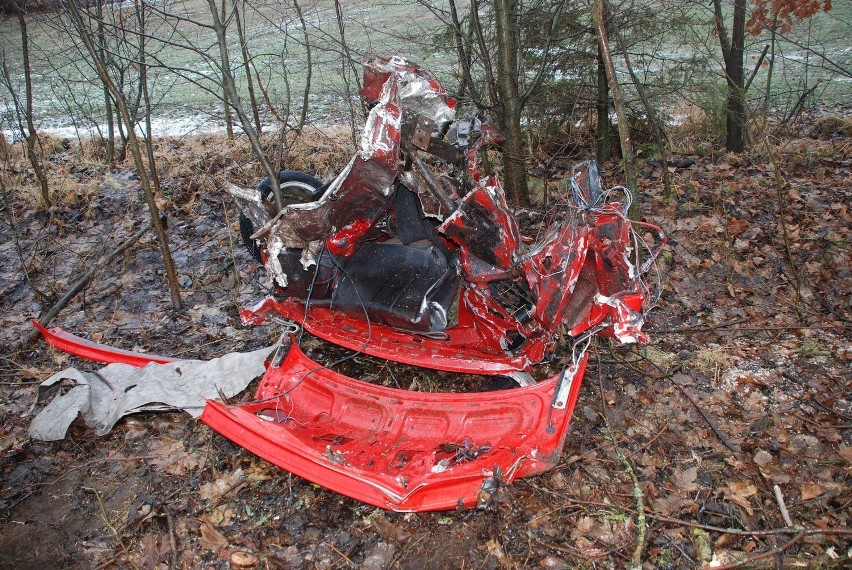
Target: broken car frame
<point x="397" y="262"/>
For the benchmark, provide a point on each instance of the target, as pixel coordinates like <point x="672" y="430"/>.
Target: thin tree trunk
<point x="771" y="68"/>
<point x="345" y="62"/>
<point x="732" y="54"/>
<point x="736" y="96"/>
<point x="136" y="152"/>
<point x="226" y="99"/>
<point x="656" y="123"/>
<point x="247" y="65"/>
<point x="466" y="85"/>
<point x="303" y="117"/>
<point x="604" y="142"/>
<point x="230" y="88"/>
<point x="33" y="144"/>
<point x="146" y="97"/>
<point x="110" y="149"/>
<point x="628" y="159"/>
<point x="514" y="164"/>
<point x="484" y="52"/>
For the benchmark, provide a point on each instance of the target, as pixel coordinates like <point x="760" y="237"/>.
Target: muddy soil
<point x="676" y="448"/>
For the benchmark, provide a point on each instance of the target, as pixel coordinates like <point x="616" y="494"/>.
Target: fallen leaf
<point x="243" y="559"/>
<point x="172" y="457"/>
<point x="762" y="458"/>
<point x="495" y="549"/>
<point x="685" y="480"/>
<point x="811" y="491"/>
<point x="737" y="227"/>
<point x="740" y="492"/>
<point x="390" y="532"/>
<point x="211" y="539"/>
<point x="214" y="490"/>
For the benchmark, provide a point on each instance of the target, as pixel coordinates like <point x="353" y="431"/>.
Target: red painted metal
<point x="464" y="348"/>
<point x="501" y="304"/>
<point x="396" y="449"/>
<point x="73" y="344"/>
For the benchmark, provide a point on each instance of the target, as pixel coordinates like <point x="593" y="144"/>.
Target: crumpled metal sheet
<point x="419" y="90"/>
<point x="105" y="396"/>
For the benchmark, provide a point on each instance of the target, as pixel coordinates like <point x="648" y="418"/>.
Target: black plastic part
<point x="315" y="281"/>
<point x="411" y="224"/>
<point x="411" y="287"/>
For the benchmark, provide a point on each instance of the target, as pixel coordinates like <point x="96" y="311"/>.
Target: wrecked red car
<point x="411" y="254"/>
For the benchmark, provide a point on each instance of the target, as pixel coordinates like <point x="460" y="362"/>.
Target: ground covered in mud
<point x="693" y="448"/>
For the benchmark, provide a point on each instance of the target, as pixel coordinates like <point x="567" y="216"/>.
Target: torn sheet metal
<point x="105" y="396"/>
<point x="418" y="90"/>
<point x="399" y="253"/>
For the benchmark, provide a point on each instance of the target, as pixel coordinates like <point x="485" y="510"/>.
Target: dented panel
<point x="396" y="449"/>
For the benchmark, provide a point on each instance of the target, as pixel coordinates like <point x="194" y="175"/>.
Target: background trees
<point x="533" y="65"/>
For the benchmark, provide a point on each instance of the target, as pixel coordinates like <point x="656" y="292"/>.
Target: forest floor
<point x="743" y="389"/>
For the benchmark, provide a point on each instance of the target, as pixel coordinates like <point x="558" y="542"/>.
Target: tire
<point x="296" y="188"/>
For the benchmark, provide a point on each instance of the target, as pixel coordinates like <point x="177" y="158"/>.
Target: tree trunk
<point x="229" y="118"/>
<point x="627" y="158"/>
<point x="604" y="143"/>
<point x="651" y="112"/>
<point x="732" y="54"/>
<point x="247" y="64"/>
<point x="32" y="136"/>
<point x="346" y="71"/>
<point x="230" y="88"/>
<point x="514" y="164"/>
<point x="108" y="112"/>
<point x="303" y="117"/>
<point x="146" y="98"/>
<point x="768" y="90"/>
<point x="136" y="152"/>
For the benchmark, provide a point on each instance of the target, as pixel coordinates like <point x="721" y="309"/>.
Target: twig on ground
<point x="710" y="421"/>
<point x="109" y="525"/>
<point x="233" y="255"/>
<point x="761" y="556"/>
<point x="173" y="560"/>
<point x="769" y="532"/>
<point x="81" y="283"/>
<point x="779" y="498"/>
<point x="725" y="328"/>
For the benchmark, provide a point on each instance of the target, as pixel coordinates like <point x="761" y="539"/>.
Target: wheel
<point x="295" y="187"/>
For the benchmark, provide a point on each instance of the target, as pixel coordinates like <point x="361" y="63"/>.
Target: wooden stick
<point x="733" y="531"/>
<point x="761" y="556"/>
<point x="785" y="514"/>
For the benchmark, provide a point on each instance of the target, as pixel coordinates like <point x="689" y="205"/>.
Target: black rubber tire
<point x="296" y="188"/>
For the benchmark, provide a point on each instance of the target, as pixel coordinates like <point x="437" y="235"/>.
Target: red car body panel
<point x="396" y="449"/>
<point x="73" y="344"/>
